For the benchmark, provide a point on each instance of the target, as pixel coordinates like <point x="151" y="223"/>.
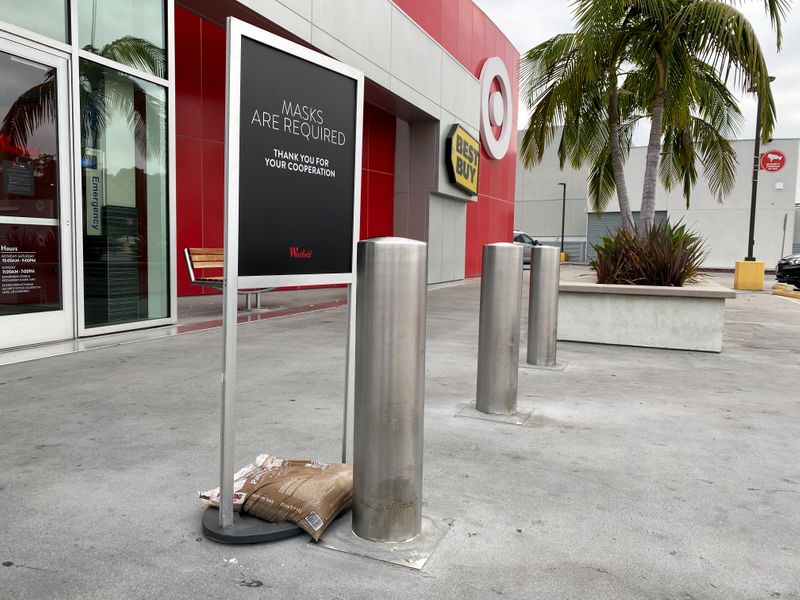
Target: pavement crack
<point x="8" y="563"/>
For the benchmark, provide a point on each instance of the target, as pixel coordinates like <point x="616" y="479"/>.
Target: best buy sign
<point x="462" y="158"/>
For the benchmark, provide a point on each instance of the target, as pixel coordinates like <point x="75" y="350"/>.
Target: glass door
<point x="36" y="276"/>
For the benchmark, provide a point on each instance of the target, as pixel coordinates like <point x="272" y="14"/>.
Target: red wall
<point x="471" y="37"/>
<point x="377" y="173"/>
<point x="200" y="142"/>
<point x="200" y="151"/>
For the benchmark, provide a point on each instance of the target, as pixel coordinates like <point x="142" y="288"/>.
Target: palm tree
<point x="669" y="38"/>
<point x="570" y="84"/>
<point x="702" y="116"/>
<point x="103" y="93"/>
<point x="673" y="58"/>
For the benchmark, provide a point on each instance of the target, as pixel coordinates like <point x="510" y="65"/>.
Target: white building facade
<point x="724" y="226"/>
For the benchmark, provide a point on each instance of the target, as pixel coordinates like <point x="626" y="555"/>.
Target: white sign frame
<point x="232" y="282"/>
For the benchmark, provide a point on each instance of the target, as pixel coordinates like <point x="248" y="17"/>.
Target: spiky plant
<point x="664" y="255"/>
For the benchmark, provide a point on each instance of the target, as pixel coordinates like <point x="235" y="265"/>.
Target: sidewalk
<point x="643" y="474"/>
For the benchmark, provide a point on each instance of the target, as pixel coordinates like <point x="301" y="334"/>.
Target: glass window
<point x="30" y="277"/>
<point x="45" y="17"/>
<point x="132" y="33"/>
<point x="124" y="166"/>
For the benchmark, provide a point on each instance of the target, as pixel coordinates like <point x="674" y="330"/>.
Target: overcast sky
<point x="529" y="22"/>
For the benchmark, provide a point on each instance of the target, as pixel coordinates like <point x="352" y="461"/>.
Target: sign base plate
<point x="516" y="418"/>
<point x="245" y="529"/>
<point x="412" y="554"/>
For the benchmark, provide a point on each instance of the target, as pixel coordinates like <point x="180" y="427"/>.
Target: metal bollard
<point x="543" y="306"/>
<point x="389" y="389"/>
<point x="498" y="332"/>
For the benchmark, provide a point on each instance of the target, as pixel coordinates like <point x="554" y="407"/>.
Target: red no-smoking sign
<point x="772" y="161"/>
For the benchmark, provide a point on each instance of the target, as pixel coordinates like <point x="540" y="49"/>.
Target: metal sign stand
<point x="223" y="524"/>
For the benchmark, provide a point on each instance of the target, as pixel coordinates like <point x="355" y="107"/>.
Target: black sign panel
<point x="296" y="165"/>
<point x="18" y="178"/>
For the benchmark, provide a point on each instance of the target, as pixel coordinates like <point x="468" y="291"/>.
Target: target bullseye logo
<point x="495" y="108"/>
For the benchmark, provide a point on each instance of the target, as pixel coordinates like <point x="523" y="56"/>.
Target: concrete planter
<point x="685" y="318"/>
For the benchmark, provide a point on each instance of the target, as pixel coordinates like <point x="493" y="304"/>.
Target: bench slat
<point x="209" y="263"/>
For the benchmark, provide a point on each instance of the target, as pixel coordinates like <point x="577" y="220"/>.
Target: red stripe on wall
<point x="377" y="190"/>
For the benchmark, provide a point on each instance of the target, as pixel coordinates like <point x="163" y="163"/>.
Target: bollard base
<point x="749" y="275"/>
<point x="412" y="554"/>
<point x="555" y="367"/>
<point x="245" y="529"/>
<point x="470" y="412"/>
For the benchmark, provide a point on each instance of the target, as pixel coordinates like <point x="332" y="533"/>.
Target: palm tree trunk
<point x="647" y="214"/>
<point x="616" y="162"/>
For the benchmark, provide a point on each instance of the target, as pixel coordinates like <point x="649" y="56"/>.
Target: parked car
<point x="788" y="270"/>
<point x="527" y="242"/>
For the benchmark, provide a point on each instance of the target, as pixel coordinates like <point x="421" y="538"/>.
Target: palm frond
<point x="30" y="110"/>
<point x="723" y="37"/>
<point x="717" y="157"/>
<point x="135" y="52"/>
<point x="777" y="11"/>
<point x="107" y="94"/>
<point x="601" y="182"/>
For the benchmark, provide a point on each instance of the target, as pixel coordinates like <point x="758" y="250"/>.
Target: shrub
<point x="666" y="254"/>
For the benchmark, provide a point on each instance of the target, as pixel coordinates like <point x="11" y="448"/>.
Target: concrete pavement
<point x="643" y="474"/>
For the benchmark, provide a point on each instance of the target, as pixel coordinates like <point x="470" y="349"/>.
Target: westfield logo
<point x="297" y="252"/>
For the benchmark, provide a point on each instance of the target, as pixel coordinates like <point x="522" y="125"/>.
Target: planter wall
<point x="686" y="318"/>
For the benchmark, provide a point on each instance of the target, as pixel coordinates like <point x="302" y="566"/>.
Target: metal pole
<point x="498" y="331"/>
<point x="349" y="377"/>
<point x="756" y="168"/>
<point x="783" y="239"/>
<point x="389" y="389"/>
<point x="230" y="296"/>
<point x="543" y="306"/>
<point x="563" y="212"/>
<point x="227" y="443"/>
<point x="754" y="193"/>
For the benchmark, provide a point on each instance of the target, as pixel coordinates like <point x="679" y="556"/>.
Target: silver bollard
<point x="389" y="389"/>
<point x="543" y="306"/>
<point x="498" y="331"/>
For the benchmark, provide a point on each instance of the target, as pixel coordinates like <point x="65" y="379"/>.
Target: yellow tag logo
<point x="463" y="155"/>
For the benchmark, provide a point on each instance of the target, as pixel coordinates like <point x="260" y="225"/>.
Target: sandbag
<point x="308" y="493"/>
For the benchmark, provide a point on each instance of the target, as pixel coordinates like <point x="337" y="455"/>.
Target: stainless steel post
<point x="543" y="306"/>
<point x="498" y="332"/>
<point x="389" y="389"/>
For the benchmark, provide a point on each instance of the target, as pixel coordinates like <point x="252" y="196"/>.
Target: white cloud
<point x="527" y="23"/>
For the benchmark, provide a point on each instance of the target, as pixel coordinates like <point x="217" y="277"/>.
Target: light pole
<point x="749" y="273"/>
<point x="756" y="167"/>
<point x="563" y="213"/>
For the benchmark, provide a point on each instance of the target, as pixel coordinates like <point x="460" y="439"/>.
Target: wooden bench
<point x="213" y="259"/>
